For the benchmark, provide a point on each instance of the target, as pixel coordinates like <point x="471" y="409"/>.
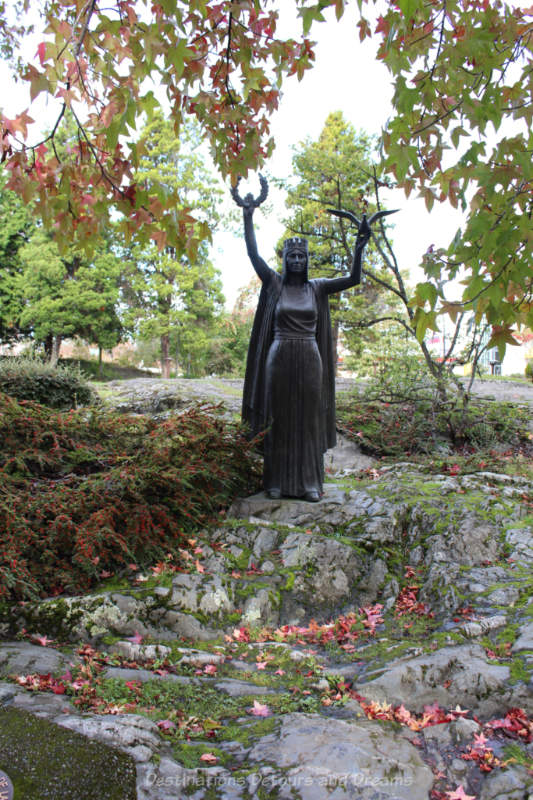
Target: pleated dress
<point x="293" y="455"/>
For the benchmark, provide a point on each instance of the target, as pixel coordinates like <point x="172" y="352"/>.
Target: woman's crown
<point x="296" y="243"/>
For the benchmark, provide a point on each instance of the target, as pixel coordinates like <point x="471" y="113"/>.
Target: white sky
<point x="346" y="77"/>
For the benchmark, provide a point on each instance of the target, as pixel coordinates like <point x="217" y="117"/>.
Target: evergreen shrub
<point x="84" y="494"/>
<point x="62" y="386"/>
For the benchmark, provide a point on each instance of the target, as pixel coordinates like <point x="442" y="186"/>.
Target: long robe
<point x="254" y="406"/>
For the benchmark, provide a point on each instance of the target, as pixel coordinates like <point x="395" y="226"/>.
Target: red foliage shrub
<point x="86" y="492"/>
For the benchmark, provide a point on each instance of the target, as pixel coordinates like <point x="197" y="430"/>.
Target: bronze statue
<point x="289" y="387"/>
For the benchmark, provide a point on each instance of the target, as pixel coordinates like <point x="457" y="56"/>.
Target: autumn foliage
<point x="84" y="494"/>
<point x="459" y="133"/>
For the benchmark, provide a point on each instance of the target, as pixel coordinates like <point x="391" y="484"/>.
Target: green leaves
<point x="462" y="73"/>
<point x="409" y="7"/>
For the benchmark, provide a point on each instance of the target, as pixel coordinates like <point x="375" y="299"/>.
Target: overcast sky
<point x="346" y="77"/>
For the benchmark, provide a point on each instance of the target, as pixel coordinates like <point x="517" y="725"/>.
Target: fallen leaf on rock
<point x="459" y="712"/>
<point x="241" y="634"/>
<point x="209" y="758"/>
<point x="166" y="724"/>
<point x="459" y="794"/>
<point x="137" y="639"/>
<point x="515" y="724"/>
<point x="44" y="641"/>
<point x="260" y="710"/>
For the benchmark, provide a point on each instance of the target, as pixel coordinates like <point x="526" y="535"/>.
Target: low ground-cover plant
<point x="83" y="494"/>
<point x="425" y="425"/>
<point x="62" y="386"/>
<point x="106" y="371"/>
<point x="404" y="410"/>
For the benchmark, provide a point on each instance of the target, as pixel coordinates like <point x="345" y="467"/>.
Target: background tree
<point x="67" y="295"/>
<point x="228" y="347"/>
<point x="16" y="226"/>
<point x="335" y="171"/>
<point x="171" y="295"/>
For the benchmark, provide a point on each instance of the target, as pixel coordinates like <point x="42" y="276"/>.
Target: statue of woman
<point x="289" y="388"/>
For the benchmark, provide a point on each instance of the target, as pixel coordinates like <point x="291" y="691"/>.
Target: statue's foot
<point x="312" y="496"/>
<point x="274" y="494"/>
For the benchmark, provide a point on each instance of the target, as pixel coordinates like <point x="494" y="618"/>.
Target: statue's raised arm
<point x="364" y="232"/>
<point x="249" y="203"/>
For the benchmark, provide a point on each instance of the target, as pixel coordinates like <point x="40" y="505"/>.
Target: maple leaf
<point x="401" y="714"/>
<point x="459" y="712"/>
<point x="209" y="758"/>
<point x="210" y="669"/>
<point x="166" y="725"/>
<point x="480" y="742"/>
<point x="137" y="639"/>
<point x="198" y="566"/>
<point x="459" y="794"/>
<point x="260" y="710"/>
<point x="434" y="711"/>
<point x="41" y="52"/>
<point x="44" y="641"/>
<point x="279" y="672"/>
<point x="241" y="634"/>
<point x="261" y="664"/>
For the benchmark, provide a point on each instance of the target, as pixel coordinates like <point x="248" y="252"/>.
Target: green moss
<point x="518" y="671"/>
<point x="55" y="617"/>
<point x="513" y="752"/>
<point x="45" y="760"/>
<point x="189" y="755"/>
<point x="289" y="583"/>
<point x="245" y="589"/>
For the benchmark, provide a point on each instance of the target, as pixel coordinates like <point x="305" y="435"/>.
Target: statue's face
<point x="296" y="260"/>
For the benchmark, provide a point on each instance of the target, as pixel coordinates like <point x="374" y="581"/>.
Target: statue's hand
<point x="248" y="205"/>
<point x="363" y="234"/>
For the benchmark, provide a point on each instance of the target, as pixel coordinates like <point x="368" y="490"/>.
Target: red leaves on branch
<point x="79" y="502"/>
<point x="220" y="62"/>
<point x="41" y="52"/>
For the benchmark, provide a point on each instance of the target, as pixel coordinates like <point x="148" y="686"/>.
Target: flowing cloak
<point x="254" y="397"/>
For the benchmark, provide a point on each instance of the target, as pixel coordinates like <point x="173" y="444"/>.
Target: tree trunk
<point x="56" y="347"/>
<point x="177" y="356"/>
<point x="100" y="351"/>
<point x="165" y="359"/>
<point x="48" y="345"/>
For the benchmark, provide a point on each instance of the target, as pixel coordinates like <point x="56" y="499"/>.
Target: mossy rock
<point x="46" y="761"/>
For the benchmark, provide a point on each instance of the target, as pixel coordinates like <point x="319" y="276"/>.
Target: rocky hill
<point x="377" y="645"/>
